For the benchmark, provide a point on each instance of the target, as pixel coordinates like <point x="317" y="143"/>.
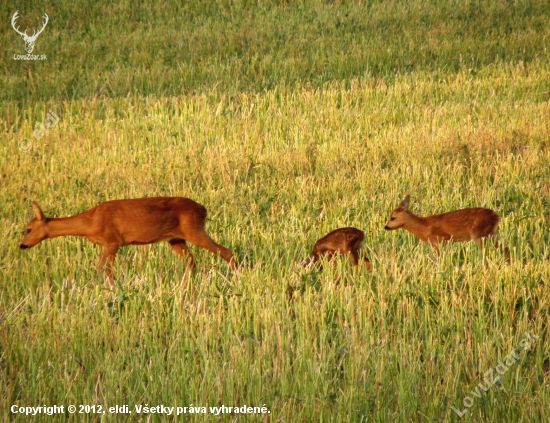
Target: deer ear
<point x="37" y="212"/>
<point x="405" y="202"/>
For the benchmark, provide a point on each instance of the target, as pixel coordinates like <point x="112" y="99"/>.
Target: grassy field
<point x="285" y="120"/>
<point x="129" y="48"/>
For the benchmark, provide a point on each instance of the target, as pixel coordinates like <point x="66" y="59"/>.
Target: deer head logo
<point x="29" y="41"/>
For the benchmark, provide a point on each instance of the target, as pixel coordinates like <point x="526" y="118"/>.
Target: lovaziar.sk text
<point x="29" y="57"/>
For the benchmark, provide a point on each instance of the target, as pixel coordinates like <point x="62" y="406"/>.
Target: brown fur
<point x="139" y="221"/>
<point x="473" y="224"/>
<point x="340" y="241"/>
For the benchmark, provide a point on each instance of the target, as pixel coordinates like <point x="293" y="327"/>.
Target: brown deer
<point x="475" y="224"/>
<point x="340" y="241"/>
<point x="139" y="221"/>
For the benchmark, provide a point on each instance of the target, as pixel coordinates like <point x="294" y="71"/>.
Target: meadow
<point x="285" y="120"/>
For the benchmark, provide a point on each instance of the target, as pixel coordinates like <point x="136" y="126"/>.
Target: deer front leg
<point x="107" y="259"/>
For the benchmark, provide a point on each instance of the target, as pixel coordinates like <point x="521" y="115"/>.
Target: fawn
<point x="340" y="241"/>
<point x="460" y="225"/>
<point x="139" y="221"/>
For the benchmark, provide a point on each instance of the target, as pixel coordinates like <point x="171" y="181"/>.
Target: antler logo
<point x="29" y="41"/>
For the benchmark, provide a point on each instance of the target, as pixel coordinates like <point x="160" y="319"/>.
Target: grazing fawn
<point x="460" y="225"/>
<point x="139" y="221"/>
<point x="340" y="241"/>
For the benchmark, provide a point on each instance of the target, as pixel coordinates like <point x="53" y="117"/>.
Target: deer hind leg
<point x="367" y="263"/>
<point x="435" y="245"/>
<point x="494" y="239"/>
<point x="201" y="239"/>
<point x="354" y="250"/>
<point x="356" y="259"/>
<point x="506" y="252"/>
<point x="354" y="256"/>
<point x="107" y="259"/>
<point x="180" y="247"/>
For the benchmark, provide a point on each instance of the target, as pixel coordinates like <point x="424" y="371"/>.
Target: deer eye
<point x="392" y="218"/>
<point x="29" y="231"/>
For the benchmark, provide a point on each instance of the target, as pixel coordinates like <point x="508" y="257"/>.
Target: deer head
<point x="399" y="216"/>
<point x="29" y="41"/>
<point x="37" y="229"/>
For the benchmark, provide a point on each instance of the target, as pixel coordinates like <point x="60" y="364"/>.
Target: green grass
<point x="128" y="48"/>
<point x="279" y="160"/>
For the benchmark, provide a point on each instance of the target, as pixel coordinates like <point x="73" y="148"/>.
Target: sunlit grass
<point x="276" y="171"/>
<point x="286" y="121"/>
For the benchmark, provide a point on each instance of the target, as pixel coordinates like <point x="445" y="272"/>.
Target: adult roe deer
<point x="139" y="221"/>
<point x="340" y="241"/>
<point x="474" y="224"/>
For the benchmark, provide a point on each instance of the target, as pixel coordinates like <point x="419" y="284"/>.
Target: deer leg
<point x="107" y="259"/>
<point x="201" y="239"/>
<point x="313" y="261"/>
<point x="505" y="250"/>
<point x="354" y="256"/>
<point x="180" y="247"/>
<point x="356" y="260"/>
<point x="435" y="246"/>
<point x="367" y="263"/>
<point x="330" y="256"/>
<point x="480" y="242"/>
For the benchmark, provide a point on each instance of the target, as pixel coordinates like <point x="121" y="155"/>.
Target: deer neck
<point x="79" y="225"/>
<point x="417" y="225"/>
